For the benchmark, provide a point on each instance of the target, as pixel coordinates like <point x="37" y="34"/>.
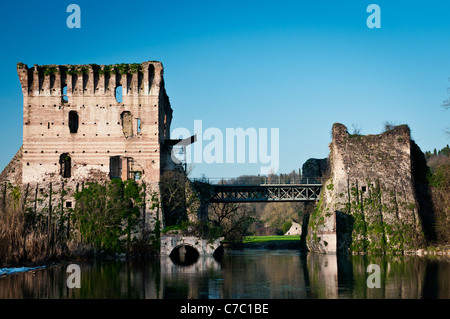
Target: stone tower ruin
<point x="369" y="202"/>
<point x="78" y="127"/>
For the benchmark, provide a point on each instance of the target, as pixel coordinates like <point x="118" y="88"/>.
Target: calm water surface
<point x="246" y="273"/>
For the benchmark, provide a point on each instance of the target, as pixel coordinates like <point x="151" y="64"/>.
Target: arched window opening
<point x="119" y="97"/>
<point x="138" y="125"/>
<point x="65" y="165"/>
<point x="73" y="122"/>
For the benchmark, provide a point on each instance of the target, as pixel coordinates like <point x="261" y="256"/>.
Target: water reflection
<point x="184" y="255"/>
<point x="263" y="274"/>
<point x="188" y="281"/>
<point x="241" y="274"/>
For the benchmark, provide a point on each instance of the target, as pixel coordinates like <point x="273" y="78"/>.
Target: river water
<point x="249" y="273"/>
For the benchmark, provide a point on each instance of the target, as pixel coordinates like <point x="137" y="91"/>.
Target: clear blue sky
<point x="299" y="66"/>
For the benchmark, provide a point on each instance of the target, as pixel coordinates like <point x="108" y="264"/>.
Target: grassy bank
<point x="272" y="242"/>
<point x="262" y="239"/>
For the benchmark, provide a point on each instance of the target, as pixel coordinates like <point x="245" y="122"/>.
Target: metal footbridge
<point x="308" y="189"/>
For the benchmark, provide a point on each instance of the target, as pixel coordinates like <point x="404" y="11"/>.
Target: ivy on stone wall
<point x="106" y="214"/>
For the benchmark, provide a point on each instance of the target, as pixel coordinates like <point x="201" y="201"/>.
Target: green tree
<point x="107" y="213"/>
<point x="275" y="214"/>
<point x="445" y="151"/>
<point x="441" y="177"/>
<point x="286" y="226"/>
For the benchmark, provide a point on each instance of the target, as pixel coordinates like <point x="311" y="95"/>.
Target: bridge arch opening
<point x="184" y="255"/>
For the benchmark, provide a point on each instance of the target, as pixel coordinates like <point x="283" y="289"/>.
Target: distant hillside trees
<point x="439" y="183"/>
<point x="443" y="152"/>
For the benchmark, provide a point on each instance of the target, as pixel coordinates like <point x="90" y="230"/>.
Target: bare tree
<point x="356" y="129"/>
<point x="388" y="126"/>
<point x="446" y="105"/>
<point x="172" y="187"/>
<point x="233" y="218"/>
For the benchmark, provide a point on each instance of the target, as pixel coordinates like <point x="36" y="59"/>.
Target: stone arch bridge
<point x="204" y="247"/>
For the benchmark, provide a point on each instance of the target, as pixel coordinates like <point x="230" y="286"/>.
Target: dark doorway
<point x="115" y="167"/>
<point x="73" y="122"/>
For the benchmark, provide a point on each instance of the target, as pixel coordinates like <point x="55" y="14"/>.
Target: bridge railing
<point x="256" y="180"/>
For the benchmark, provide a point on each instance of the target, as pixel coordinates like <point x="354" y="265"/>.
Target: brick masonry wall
<point x="100" y="135"/>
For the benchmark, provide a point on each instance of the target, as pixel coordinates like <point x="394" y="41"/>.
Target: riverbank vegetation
<point x="439" y="183"/>
<point x="102" y="223"/>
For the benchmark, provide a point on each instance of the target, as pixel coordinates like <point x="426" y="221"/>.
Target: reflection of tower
<point x="323" y="275"/>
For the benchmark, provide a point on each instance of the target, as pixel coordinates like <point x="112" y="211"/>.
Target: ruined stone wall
<point x="13" y="171"/>
<point x="315" y="168"/>
<point x="76" y="130"/>
<point x="369" y="203"/>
